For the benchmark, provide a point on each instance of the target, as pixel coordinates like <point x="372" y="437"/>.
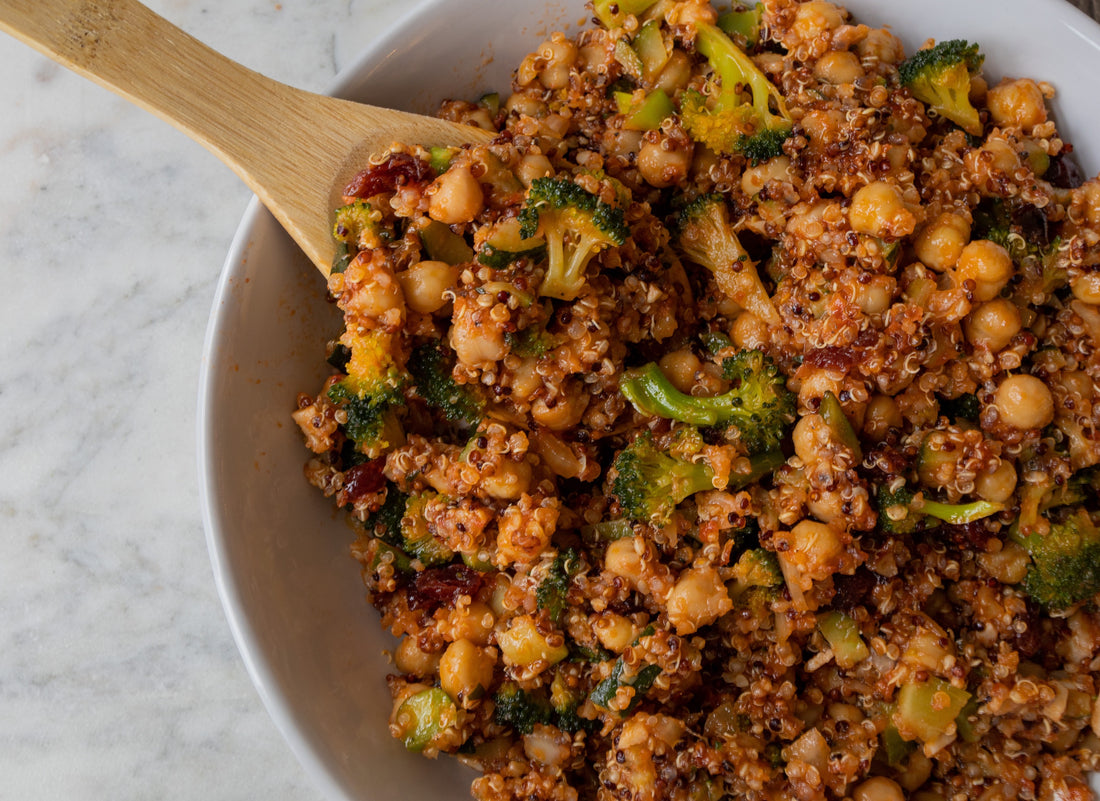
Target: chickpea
<point x="987" y="264"/>
<point x="753" y="179"/>
<point x="425" y="283"/>
<point x="559" y="54"/>
<point x="455" y="196"/>
<point x="675" y="74"/>
<point x="992" y="325"/>
<point x="466" y="671"/>
<point x="941" y="242"/>
<point x="561" y="412"/>
<point x="1087" y="288"/>
<point x="814" y="386"/>
<point x="1008" y="565"/>
<point x="880" y="45"/>
<point x="532" y="166"/>
<point x="680" y="367"/>
<point x="614" y="632"/>
<point x="878" y="209"/>
<point x="510" y="480"/>
<point x="995" y="156"/>
<point x="815" y="18"/>
<point x="838" y="67"/>
<point x="1017" y="103"/>
<point x="878" y="788"/>
<point x="623" y="560"/>
<point x="664" y="162"/>
<point x="697" y="599"/>
<point x="749" y="331"/>
<point x="525" y="104"/>
<point x="411" y="660"/>
<point x="1024" y="402"/>
<point x="523" y="644"/>
<point x="876" y="295"/>
<point x="882" y="415"/>
<point x="810" y="434"/>
<point x="998" y="485"/>
<point x="473" y="622"/>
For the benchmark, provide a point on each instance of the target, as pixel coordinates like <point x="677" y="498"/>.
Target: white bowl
<point x="292" y="593"/>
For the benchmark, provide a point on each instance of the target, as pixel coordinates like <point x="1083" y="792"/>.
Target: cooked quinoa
<point x="727" y="425"/>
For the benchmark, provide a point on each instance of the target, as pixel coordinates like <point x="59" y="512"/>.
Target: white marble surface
<point x="118" y="675"/>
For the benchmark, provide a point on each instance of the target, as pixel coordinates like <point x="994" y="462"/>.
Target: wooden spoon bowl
<point x="296" y="150"/>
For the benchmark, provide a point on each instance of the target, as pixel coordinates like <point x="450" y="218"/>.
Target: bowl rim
<point x="258" y="666"/>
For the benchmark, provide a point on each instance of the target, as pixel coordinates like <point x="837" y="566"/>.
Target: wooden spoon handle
<point x="294" y="149"/>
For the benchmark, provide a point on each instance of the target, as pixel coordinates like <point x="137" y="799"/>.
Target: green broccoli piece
<point x="358" y="227"/>
<point x="530" y="342"/>
<point x="705" y="236"/>
<point x="612" y="13"/>
<point x="757" y="567"/>
<point x="728" y="124"/>
<point x="758" y="405"/>
<point x="371" y="394"/>
<point x="743" y="22"/>
<point x="417" y="538"/>
<point x="430" y="366"/>
<point x="576" y="226"/>
<point x="519" y="708"/>
<point x="385" y="523"/>
<point x="604" y="692"/>
<point x="899" y="513"/>
<point x="940" y="78"/>
<point x="649" y="483"/>
<point x="1065" y="562"/>
<point x="550" y="595"/>
<point x="1017" y="228"/>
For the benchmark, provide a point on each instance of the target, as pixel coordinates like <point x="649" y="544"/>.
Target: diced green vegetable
<point x="833" y="414"/>
<point x="612" y="13"/>
<point x="506" y="245"/>
<point x="927" y="710"/>
<point x="842" y="634"/>
<point x="652" y="51"/>
<point x="423" y="717"/>
<point x="443" y="244"/>
<point x="417" y="537"/>
<point x="743" y="22"/>
<point x="646" y="115"/>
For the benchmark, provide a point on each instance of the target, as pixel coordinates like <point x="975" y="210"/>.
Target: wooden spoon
<point x="295" y="150"/>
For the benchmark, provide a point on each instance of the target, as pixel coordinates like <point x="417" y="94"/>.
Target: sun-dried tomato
<point x="400" y="169"/>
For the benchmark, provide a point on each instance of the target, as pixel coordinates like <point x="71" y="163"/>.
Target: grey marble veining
<point x="118" y="675"/>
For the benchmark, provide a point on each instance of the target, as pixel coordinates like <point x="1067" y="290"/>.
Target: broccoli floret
<point x="704" y="235"/>
<point x="900" y="513"/>
<point x="604" y="693"/>
<point x="519" y="709"/>
<point x="358" y="227"/>
<point x="417" y="538"/>
<point x="576" y="226"/>
<point x="550" y="595"/>
<point x="385" y="523"/>
<point x="728" y="124"/>
<point x="940" y="77"/>
<point x="430" y="366"/>
<point x="530" y="342"/>
<point x="649" y="483"/>
<point x="757" y="567"/>
<point x="758" y="405"/>
<point x="1065" y="563"/>
<point x="1023" y="232"/>
<point x="371" y="393"/>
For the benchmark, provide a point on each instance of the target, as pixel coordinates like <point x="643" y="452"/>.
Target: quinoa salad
<point x="727" y="426"/>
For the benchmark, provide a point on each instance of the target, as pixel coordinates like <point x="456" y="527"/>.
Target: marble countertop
<point x="119" y="677"/>
<point x="118" y="674"/>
